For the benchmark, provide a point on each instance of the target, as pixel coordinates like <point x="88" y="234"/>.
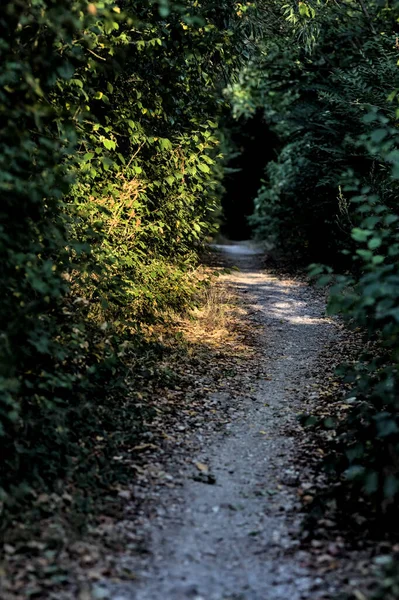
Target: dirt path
<point x="237" y="538"/>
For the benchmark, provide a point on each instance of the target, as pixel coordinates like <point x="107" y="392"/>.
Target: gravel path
<point x="237" y="539"/>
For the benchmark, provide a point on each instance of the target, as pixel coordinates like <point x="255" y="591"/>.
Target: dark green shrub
<point x="109" y="172"/>
<point x="328" y="85"/>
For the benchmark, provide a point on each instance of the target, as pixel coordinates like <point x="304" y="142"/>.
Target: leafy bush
<point x="369" y="438"/>
<point x="109" y="174"/>
<point x="327" y="82"/>
<point x="314" y="93"/>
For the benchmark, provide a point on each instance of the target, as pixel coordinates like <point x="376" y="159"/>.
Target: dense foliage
<point x="327" y="82"/>
<point x="109" y="172"/>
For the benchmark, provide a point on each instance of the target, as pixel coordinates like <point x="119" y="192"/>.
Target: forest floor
<point x="224" y="473"/>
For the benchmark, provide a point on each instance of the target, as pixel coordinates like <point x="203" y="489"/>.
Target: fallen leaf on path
<point x="202" y="467"/>
<point x="144" y="447"/>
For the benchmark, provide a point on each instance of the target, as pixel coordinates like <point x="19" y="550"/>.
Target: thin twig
<point x="134" y="155"/>
<point x="96" y="55"/>
<point x="368" y="18"/>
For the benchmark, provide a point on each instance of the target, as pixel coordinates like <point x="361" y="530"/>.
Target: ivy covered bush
<point x="109" y="174"/>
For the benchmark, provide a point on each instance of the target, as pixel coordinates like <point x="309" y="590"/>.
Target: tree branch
<point x="368" y="18"/>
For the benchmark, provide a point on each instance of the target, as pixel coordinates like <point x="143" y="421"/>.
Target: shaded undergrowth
<point x="68" y="536"/>
<point x="341" y="518"/>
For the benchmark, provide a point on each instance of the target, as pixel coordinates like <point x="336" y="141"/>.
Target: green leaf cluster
<point x="327" y="84"/>
<point x="109" y="177"/>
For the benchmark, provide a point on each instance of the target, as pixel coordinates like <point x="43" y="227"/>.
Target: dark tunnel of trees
<point x="253" y="146"/>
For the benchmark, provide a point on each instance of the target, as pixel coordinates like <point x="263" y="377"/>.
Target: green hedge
<point x="327" y="82"/>
<point x="110" y="173"/>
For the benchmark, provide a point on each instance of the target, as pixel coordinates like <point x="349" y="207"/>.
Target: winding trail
<point x="239" y="538"/>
